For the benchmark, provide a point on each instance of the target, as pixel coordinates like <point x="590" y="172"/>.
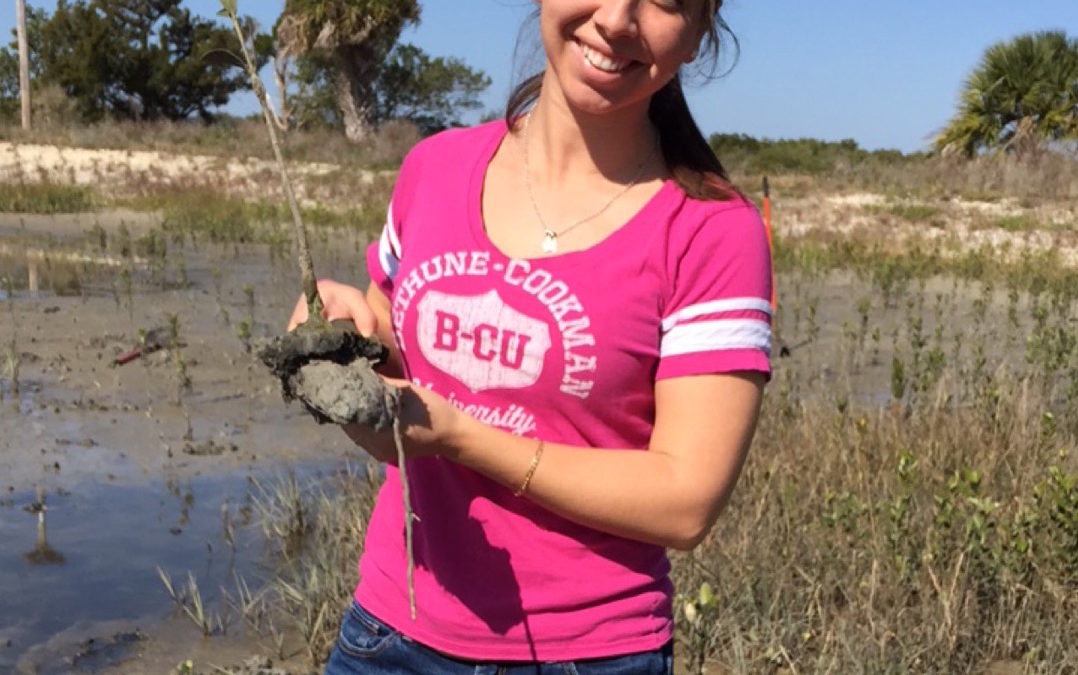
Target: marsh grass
<point x="1017" y="223"/>
<point x="315" y="531"/>
<point x="176" y="357"/>
<point x="805" y="166"/>
<point x="46" y="197"/>
<point x="917" y="518"/>
<point x="219" y="218"/>
<point x="915" y="212"/>
<point x="188" y="600"/>
<point x="934" y="536"/>
<point x="12" y="362"/>
<point x="894" y="267"/>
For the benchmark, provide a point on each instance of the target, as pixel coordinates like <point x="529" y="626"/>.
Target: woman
<point x="577" y="301"/>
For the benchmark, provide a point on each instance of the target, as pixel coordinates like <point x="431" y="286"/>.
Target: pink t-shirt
<point x="566" y="348"/>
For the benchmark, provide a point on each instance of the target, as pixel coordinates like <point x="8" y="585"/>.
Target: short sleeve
<point x="717" y="317"/>
<point x="384" y="254"/>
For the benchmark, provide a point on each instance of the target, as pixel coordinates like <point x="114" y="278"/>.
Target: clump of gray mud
<point x="331" y="371"/>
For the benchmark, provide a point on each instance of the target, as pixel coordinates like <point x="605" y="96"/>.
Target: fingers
<point x="339" y="301"/>
<point x="396" y="382"/>
<point x="352" y="305"/>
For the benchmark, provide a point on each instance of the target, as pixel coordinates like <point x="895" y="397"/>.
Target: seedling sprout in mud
<point x="330" y="369"/>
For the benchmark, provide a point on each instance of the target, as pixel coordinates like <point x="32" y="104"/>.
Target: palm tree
<point x="1022" y="95"/>
<point x="352" y="37"/>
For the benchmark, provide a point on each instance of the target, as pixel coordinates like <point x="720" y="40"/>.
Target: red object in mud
<point x="153" y="341"/>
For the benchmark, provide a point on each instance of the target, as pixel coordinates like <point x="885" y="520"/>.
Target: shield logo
<point x="481" y="341"/>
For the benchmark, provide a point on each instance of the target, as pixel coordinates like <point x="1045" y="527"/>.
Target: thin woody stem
<point x="409" y="516"/>
<point x="314" y="301"/>
<point x="306" y="266"/>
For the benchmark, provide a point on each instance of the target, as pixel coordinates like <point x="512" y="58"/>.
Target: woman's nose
<point x="616" y="18"/>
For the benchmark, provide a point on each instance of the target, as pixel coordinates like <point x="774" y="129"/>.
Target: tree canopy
<point x="350" y="70"/>
<point x="431" y="92"/>
<point x="1022" y="95"/>
<point x="153" y="59"/>
<point x="128" y="59"/>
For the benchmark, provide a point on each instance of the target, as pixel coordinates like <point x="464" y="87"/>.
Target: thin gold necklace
<point x="550" y="236"/>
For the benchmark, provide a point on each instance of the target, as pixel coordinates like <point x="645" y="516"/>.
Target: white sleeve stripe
<point x="389" y="261"/>
<point x="715" y="306"/>
<point x="391" y="232"/>
<point x="724" y="334"/>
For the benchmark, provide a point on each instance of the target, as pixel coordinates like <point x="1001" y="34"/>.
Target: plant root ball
<point x="330" y="370"/>
<point x="346" y="394"/>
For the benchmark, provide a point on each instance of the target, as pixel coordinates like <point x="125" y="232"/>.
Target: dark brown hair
<point x="687" y="154"/>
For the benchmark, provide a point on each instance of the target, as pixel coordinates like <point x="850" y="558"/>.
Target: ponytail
<point x="522" y="98"/>
<point x="689" y="158"/>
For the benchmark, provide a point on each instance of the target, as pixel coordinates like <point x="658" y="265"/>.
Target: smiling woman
<point x="620" y="54"/>
<point x="577" y="303"/>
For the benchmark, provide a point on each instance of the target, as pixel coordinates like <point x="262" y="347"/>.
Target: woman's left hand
<point x="428" y="423"/>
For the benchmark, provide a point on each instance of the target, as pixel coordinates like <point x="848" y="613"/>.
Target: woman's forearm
<point x="647" y="495"/>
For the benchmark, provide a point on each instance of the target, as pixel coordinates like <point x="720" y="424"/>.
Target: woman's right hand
<point x="340" y="301"/>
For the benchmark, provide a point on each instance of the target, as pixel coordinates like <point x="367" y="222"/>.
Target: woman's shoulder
<point x="735" y="207"/>
<point x="736" y="217"/>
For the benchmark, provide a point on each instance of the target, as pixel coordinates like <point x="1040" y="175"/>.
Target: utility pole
<point x="24" y="62"/>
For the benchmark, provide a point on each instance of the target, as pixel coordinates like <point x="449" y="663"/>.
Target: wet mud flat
<point x="141" y="464"/>
<point x="149" y="463"/>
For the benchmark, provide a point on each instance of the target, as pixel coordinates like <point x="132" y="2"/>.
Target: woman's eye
<point x="670" y="5"/>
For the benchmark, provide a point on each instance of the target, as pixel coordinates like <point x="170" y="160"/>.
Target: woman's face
<point x="610" y="55"/>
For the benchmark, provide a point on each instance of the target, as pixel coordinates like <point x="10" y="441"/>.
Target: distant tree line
<point x="338" y="62"/>
<point x="799" y="155"/>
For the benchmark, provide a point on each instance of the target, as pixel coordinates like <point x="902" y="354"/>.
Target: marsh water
<point x="102" y="545"/>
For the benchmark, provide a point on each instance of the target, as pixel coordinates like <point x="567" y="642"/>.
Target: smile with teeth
<point x="601" y="61"/>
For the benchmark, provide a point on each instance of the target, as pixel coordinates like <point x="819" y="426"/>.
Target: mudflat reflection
<point x="43" y="553"/>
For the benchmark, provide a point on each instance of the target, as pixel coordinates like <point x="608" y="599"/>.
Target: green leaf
<point x="222" y="57"/>
<point x="707" y="596"/>
<point x="228" y="7"/>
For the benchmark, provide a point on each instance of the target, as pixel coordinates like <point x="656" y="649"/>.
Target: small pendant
<point x="550" y="242"/>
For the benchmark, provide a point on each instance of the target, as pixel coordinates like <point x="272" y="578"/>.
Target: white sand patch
<point x="127" y="169"/>
<point x="961" y="226"/>
<point x="860" y="199"/>
<point x="1004" y="207"/>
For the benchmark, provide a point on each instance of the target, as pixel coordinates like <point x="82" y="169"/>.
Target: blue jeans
<point x="370" y="647"/>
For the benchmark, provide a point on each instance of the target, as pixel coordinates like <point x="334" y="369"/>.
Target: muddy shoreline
<point x="117" y="449"/>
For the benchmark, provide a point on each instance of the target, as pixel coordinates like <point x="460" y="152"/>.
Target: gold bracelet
<point x="531" y="470"/>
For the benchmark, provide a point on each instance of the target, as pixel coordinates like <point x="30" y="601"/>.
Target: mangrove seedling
<point x="12" y="361"/>
<point x="327" y="367"/>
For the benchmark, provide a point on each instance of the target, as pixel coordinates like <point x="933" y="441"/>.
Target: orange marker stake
<point x="770" y="242"/>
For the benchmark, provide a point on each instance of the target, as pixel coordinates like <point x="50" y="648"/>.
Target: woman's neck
<point x="564" y="145"/>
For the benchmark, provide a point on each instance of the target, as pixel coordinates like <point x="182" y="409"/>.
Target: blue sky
<point x="886" y="74"/>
